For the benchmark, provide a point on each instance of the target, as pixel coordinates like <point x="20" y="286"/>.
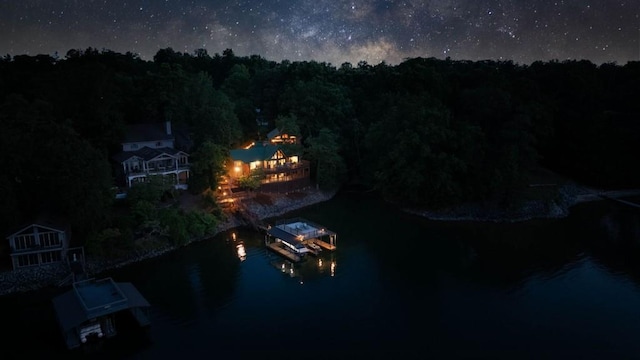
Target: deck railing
<point x="159" y="170"/>
<point x="287" y="167"/>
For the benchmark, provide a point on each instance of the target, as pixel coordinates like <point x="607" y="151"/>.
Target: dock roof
<point x="92" y="298"/>
<point x="285" y="236"/>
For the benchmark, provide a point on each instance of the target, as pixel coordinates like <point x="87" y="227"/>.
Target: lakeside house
<point x="153" y="149"/>
<point x="276" y="136"/>
<point x="279" y="171"/>
<point x="38" y="243"/>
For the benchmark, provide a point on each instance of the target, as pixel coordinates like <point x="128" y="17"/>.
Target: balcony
<point x="159" y="170"/>
<point x="35" y="249"/>
<point x="288" y="167"/>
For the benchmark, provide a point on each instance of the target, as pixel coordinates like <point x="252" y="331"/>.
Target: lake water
<point x="396" y="285"/>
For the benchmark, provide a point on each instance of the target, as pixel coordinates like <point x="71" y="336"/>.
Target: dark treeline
<point x="426" y="132"/>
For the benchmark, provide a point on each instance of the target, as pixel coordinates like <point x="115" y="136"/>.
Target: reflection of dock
<point x="285" y="267"/>
<point x="306" y="270"/>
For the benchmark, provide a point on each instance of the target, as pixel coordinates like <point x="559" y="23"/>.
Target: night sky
<point x="331" y="31"/>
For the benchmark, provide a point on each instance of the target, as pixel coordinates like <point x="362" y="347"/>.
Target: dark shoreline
<point x="50" y="276"/>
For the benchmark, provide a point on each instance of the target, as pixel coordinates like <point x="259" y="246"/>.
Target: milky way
<point x="331" y="31"/>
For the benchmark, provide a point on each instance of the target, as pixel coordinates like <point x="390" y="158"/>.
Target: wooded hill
<point x="425" y="132"/>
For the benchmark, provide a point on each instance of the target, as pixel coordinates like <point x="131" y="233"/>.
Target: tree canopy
<point x="427" y="132"/>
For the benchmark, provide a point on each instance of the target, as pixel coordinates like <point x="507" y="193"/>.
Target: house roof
<point x="273" y="133"/>
<point x="257" y="152"/>
<point x="44" y="222"/>
<point x="146" y="132"/>
<point x="146" y="153"/>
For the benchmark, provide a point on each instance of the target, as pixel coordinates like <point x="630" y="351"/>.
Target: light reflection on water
<point x="543" y="289"/>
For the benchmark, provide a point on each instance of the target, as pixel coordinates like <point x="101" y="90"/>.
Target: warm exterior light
<point x="237" y="169"/>
<point x="242" y="254"/>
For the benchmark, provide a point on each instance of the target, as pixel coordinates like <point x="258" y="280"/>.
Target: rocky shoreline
<point x="557" y="207"/>
<point x="28" y="279"/>
<point x="34" y="278"/>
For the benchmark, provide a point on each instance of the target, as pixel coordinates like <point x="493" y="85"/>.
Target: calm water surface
<point x="397" y="285"/>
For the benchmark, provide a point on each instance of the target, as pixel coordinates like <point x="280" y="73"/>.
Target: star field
<point x="331" y="31"/>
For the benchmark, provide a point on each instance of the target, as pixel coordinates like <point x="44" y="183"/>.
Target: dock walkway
<point x="323" y="244"/>
<point x="284" y="252"/>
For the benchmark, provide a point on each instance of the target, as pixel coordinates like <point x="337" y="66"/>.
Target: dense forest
<point x="425" y="132"/>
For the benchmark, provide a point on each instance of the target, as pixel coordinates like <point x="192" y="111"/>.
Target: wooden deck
<point x="312" y="251"/>
<point x="323" y="244"/>
<point x="284" y="252"/>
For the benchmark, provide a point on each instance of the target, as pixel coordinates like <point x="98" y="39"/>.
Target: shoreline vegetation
<point x="262" y="207"/>
<point x="558" y="207"/>
<point x="427" y="132"/>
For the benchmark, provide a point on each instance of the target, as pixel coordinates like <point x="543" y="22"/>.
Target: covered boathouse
<point x="299" y="237"/>
<point x="88" y="311"/>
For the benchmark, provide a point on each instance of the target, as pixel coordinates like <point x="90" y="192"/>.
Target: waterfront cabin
<point x="279" y="172"/>
<point x="276" y="136"/>
<point x="92" y="308"/>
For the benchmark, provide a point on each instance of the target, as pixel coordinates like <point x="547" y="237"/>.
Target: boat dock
<point x="299" y="237"/>
<point x="89" y="310"/>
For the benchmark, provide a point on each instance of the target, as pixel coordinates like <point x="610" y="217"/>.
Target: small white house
<point x="37" y="244"/>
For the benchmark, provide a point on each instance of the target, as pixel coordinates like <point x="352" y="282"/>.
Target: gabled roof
<point x="146" y="132"/>
<point x="123" y="156"/>
<point x="285" y="137"/>
<point x="273" y="133"/>
<point x="44" y="223"/>
<point x="146" y="153"/>
<point x="258" y="152"/>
